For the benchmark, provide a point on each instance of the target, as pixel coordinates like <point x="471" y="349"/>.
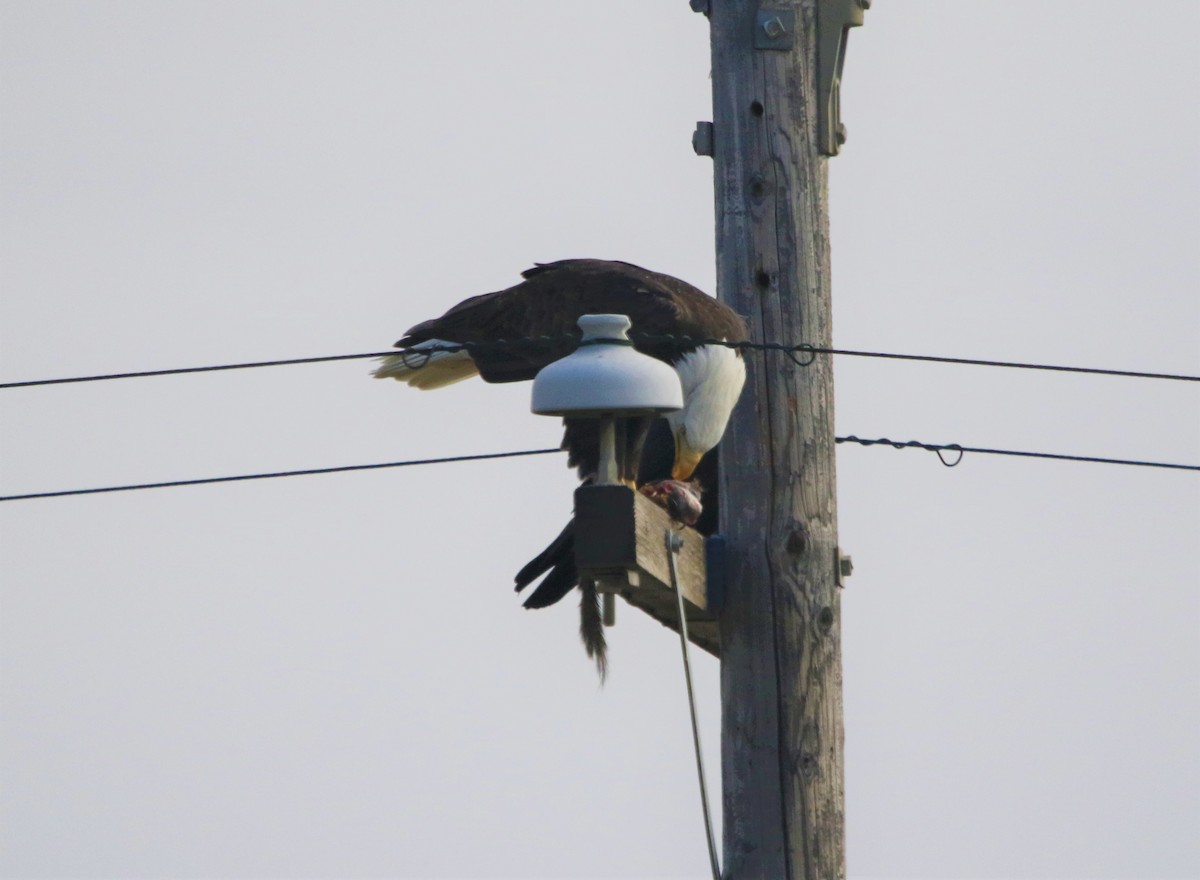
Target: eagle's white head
<point x="712" y="377"/>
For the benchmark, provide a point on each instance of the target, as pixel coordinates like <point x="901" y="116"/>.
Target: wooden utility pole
<point x="781" y="672"/>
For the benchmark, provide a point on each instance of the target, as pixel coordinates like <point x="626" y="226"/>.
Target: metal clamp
<point x="834" y="20"/>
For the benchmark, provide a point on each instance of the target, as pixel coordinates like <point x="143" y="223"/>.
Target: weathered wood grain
<point x="781" y="671"/>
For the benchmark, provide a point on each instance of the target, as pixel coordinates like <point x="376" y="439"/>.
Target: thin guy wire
<point x="956" y="448"/>
<point x="269" y="476"/>
<point x="810" y="351"/>
<point x="932" y="447"/>
<point x="673" y="543"/>
<point x="419" y="357"/>
<point x="974" y="362"/>
<point x="802" y="354"/>
<point x="103" y="377"/>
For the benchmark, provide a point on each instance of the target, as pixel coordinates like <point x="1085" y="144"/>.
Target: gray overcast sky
<point x="329" y="676"/>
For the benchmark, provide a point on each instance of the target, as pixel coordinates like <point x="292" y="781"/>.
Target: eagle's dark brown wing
<point x="549" y="301"/>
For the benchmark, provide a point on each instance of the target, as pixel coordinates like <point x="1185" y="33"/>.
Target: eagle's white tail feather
<point x="427" y="371"/>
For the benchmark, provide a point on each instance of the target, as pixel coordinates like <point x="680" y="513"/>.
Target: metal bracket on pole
<point x="834" y="20"/>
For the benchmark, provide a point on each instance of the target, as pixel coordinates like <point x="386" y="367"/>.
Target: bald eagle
<point x="547" y="303"/>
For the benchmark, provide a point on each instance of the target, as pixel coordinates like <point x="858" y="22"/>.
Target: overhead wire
<point x="960" y="450"/>
<point x="938" y="448"/>
<point x="274" y="475"/>
<point x="802" y="354"/>
<point x="178" y="371"/>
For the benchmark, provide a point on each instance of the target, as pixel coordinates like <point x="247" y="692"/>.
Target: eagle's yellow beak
<point x="686" y="458"/>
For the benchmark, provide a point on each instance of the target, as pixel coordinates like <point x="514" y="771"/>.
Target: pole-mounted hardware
<point x="774" y="29"/>
<point x="604" y="379"/>
<point x="843" y="566"/>
<point x="834" y="20"/>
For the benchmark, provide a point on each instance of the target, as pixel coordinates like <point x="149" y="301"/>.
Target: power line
<point x="1016" y="365"/>
<point x="249" y="365"/>
<point x="940" y="449"/>
<point x="802" y="354"/>
<point x="271" y="476"/>
<point x="959" y="451"/>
